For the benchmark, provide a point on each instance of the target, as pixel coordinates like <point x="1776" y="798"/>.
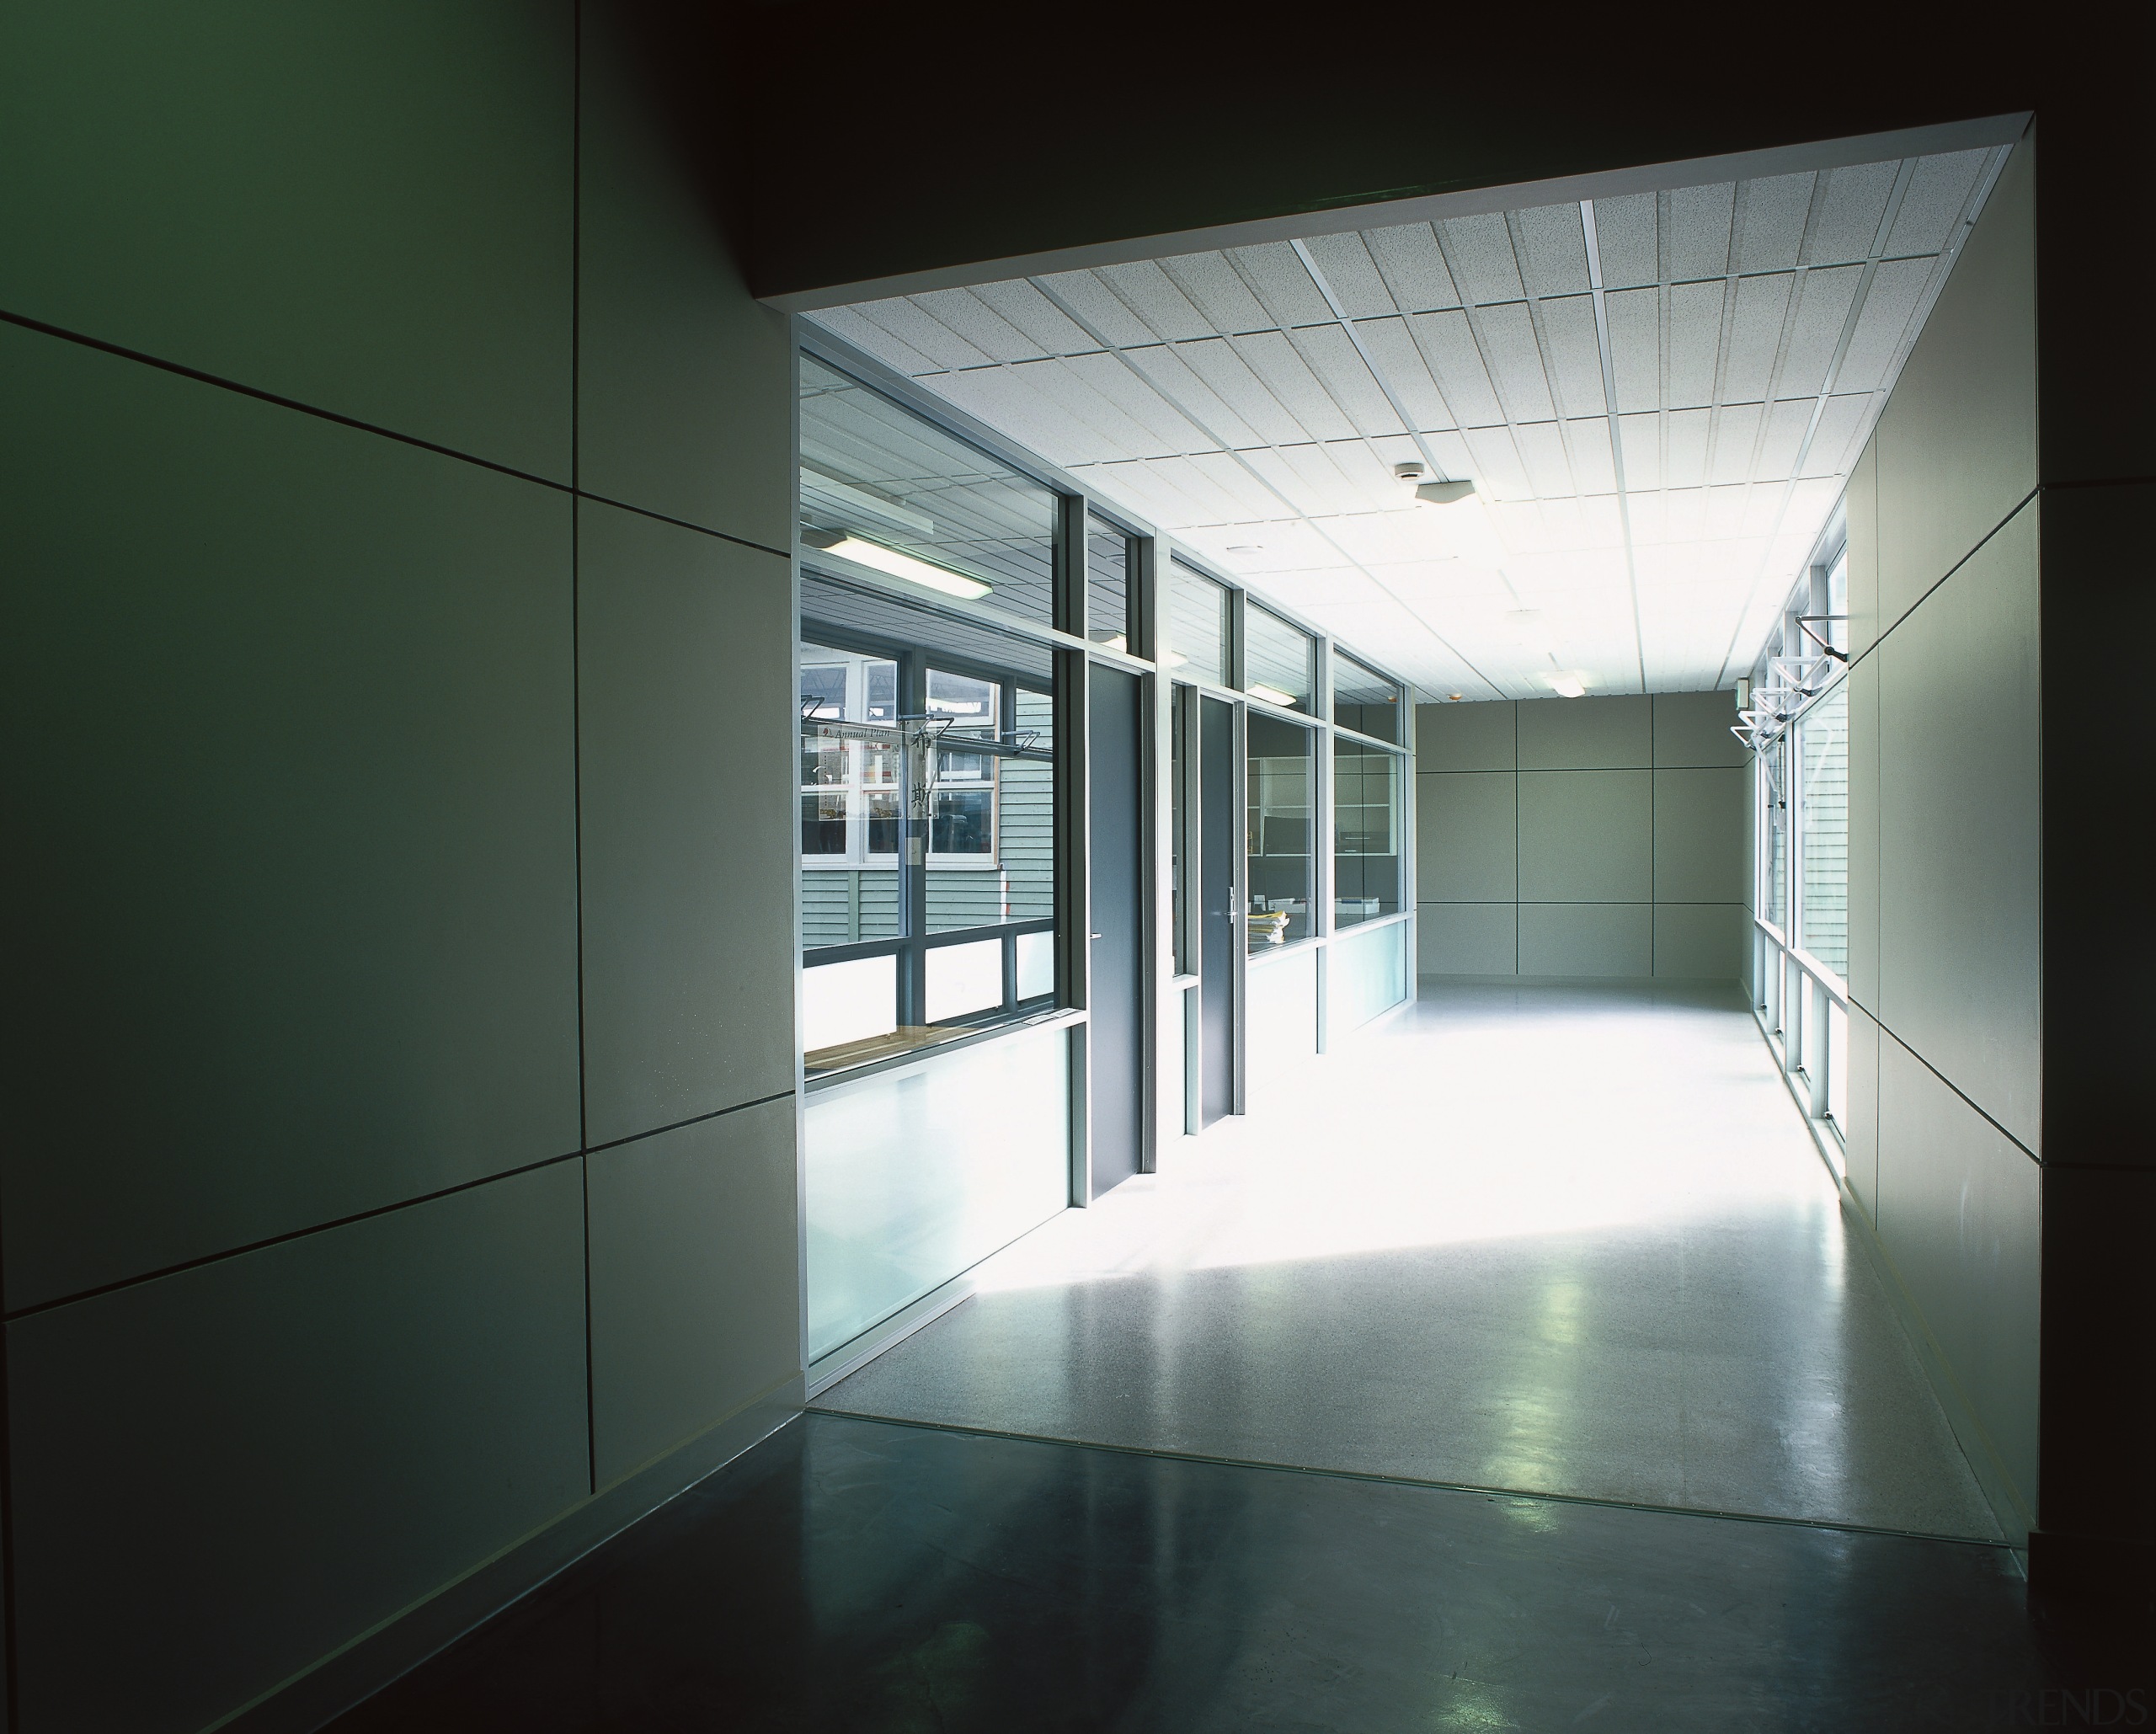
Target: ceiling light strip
<point x="1616" y="433"/>
<point x="1079" y="319"/>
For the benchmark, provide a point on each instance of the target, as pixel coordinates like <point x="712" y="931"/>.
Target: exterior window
<point x="1198" y="626"/>
<point x="1822" y="764"/>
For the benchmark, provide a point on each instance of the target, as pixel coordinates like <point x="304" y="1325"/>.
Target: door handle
<point x="1099" y="935"/>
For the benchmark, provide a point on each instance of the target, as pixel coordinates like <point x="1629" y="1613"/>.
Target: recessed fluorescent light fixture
<point x="1565" y="683"/>
<point x="905" y="566"/>
<point x="1271" y="695"/>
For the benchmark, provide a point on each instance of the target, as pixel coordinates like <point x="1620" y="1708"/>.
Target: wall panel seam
<point x="1932" y="589"/>
<point x="1973" y="1106"/>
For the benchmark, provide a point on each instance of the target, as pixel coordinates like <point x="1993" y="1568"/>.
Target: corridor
<point x="1546" y="1240"/>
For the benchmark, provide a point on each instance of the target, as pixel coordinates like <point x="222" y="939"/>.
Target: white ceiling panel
<point x="1221" y="396"/>
<point x="1695" y="230"/>
<point x="1480" y="251"/>
<point x="1413" y="269"/>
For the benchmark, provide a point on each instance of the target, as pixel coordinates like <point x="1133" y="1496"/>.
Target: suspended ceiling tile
<point x="1042" y="420"/>
<point x="1024" y="307"/>
<point x="1369" y="473"/>
<point x="1231" y="475"/>
<point x="1774" y="210"/>
<point x="1100" y="391"/>
<point x="1215" y="485"/>
<point x="1139" y="487"/>
<point x="1695" y="344"/>
<point x="962" y="311"/>
<point x="1331" y="355"/>
<point x="1849" y="213"/>
<point x="1413" y="269"/>
<point x="1755" y="332"/>
<point x="1093" y="304"/>
<point x="1938" y="191"/>
<point x="1497" y="469"/>
<point x="1541" y="446"/>
<point x="1480" y="251"/>
<point x="1151" y="294"/>
<point x="865" y="334"/>
<point x="1648" y="513"/>
<point x="1809" y="503"/>
<point x="1684" y="448"/>
<point x="1217" y="289"/>
<point x="1786" y="423"/>
<point x="1515" y="359"/>
<point x="1450" y="451"/>
<point x="1316" y="592"/>
<point x="1642" y="437"/>
<point x="1695" y="230"/>
<point x="1587" y="444"/>
<point x="1277" y="279"/>
<point x="1405" y="370"/>
<point x="1310" y="500"/>
<point x="1372" y="538"/>
<point x="1897" y="287"/>
<point x="1840" y="423"/>
<point x="1171" y="374"/>
<point x="1634" y="317"/>
<point x="1455" y="361"/>
<point x="1727" y="503"/>
<point x="1347" y="267"/>
<point x="1217" y="362"/>
<point x="1822" y="306"/>
<point x="931" y="336"/>
<point x="1684" y="513"/>
<point x="1284" y="373"/>
<point x="1573" y="354"/>
<point x="1625" y="238"/>
<point x="1127" y="387"/>
<point x="1322" y="479"/>
<point x="1552" y="250"/>
<point x="1764" y="509"/>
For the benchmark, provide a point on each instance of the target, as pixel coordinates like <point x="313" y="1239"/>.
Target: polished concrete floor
<point x="1553" y="1240"/>
<point x="873" y="1577"/>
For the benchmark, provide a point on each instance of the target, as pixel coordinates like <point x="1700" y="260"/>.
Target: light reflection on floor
<point x="1545" y="1240"/>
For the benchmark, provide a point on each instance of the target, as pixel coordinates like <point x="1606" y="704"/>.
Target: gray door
<point x="1115" y="1040"/>
<point x="1217" y="909"/>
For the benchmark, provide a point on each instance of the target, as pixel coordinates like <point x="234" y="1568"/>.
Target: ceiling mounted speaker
<point x="1443" y="494"/>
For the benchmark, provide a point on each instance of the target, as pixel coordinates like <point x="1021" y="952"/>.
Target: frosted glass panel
<point x="1365" y="974"/>
<point x="916" y="1175"/>
<point x="965" y="979"/>
<point x="849" y="1002"/>
<point x="1035" y="965"/>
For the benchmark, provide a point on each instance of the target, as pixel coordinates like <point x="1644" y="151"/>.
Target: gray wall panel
<point x="1467" y="939"/>
<point x="1861" y="510"/>
<point x="1958" y="841"/>
<point x="1465" y="737"/>
<point x="1587" y="836"/>
<point x="1692" y="730"/>
<point x="292" y="771"/>
<point x="682" y="377"/>
<point x="1586" y="733"/>
<point x="1466" y="836"/>
<point x="1864" y="831"/>
<point x="694" y="1270"/>
<point x="1958" y="441"/>
<point x="684" y="708"/>
<point x="1607" y="939"/>
<point x="364" y="208"/>
<point x="1860" y="1136"/>
<point x="239" y="1466"/>
<point x="1701" y="941"/>
<point x="1958" y="1216"/>
<point x="1700" y="820"/>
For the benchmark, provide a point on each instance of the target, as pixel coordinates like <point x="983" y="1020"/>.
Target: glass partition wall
<point x="954" y="594"/>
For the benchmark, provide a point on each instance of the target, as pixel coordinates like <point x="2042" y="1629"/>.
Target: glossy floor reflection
<point x="867" y="1576"/>
<point x="1547" y="1240"/>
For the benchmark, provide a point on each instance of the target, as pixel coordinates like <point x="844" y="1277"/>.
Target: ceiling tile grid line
<point x="1452" y="650"/>
<point x="1616" y="443"/>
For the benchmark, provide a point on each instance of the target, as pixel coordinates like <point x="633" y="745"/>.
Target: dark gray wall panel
<point x="291" y="774"/>
<point x="1609" y="939"/>
<point x="1465" y="737"/>
<point x="228" y="1471"/>
<point x="1699" y="819"/>
<point x="685" y="383"/>
<point x="1860" y="1135"/>
<point x="694" y="1275"/>
<point x="1587" y="836"/>
<point x="1586" y="733"/>
<point x="1467" y="939"/>
<point x="1958" y="441"/>
<point x="1959" y="810"/>
<point x="1958" y="1216"/>
<point x="2100" y="760"/>
<point x="1861" y="510"/>
<point x="1693" y="729"/>
<point x="1466" y="840"/>
<point x="684" y="708"/>
<point x="1864" y="831"/>
<point x="1701" y="941"/>
<point x="362" y="205"/>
